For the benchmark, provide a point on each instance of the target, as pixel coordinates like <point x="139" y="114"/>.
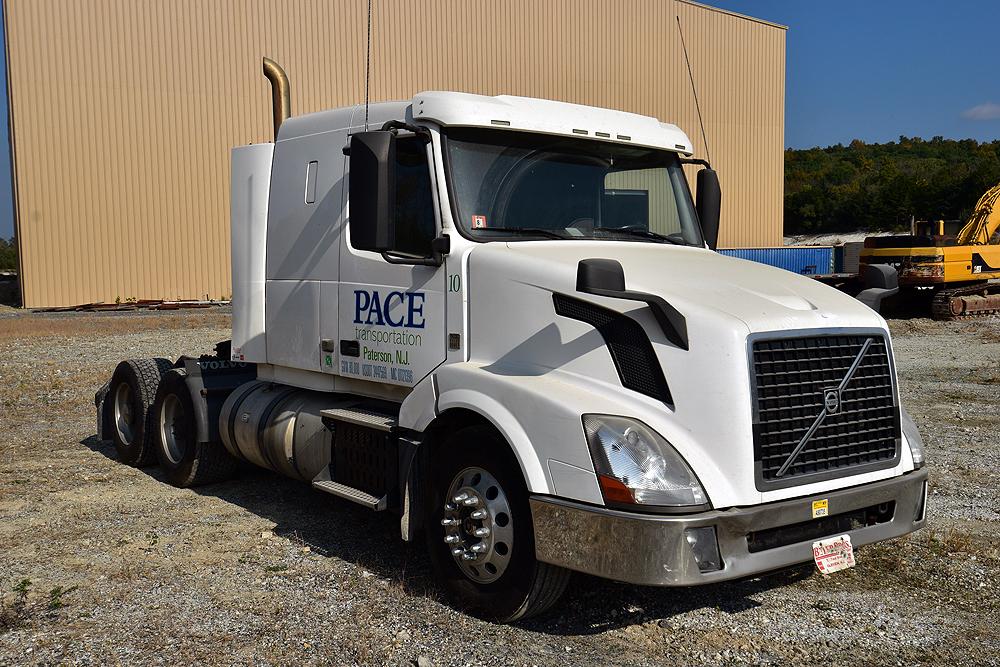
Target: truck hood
<point x="515" y="332"/>
<point x="701" y="283"/>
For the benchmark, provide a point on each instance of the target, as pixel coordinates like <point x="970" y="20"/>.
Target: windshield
<point x="517" y="185"/>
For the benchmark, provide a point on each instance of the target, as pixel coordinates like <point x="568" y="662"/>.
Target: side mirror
<point x="709" y="204"/>
<point x="372" y="192"/>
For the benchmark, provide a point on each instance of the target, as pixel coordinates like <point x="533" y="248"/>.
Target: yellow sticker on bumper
<point x="821" y="508"/>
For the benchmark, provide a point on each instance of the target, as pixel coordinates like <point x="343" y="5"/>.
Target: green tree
<point x="878" y="187"/>
<point x="8" y="254"/>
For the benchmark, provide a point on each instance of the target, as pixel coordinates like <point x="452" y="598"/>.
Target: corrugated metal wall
<point x="124" y="111"/>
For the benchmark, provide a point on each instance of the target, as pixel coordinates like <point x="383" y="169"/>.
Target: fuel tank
<point x="277" y="427"/>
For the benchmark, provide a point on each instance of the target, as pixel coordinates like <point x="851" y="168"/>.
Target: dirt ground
<point x="105" y="564"/>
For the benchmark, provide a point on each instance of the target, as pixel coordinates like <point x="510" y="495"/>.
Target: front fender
<point x="539" y="415"/>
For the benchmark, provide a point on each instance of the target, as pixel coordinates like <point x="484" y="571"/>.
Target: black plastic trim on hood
<point x="627" y="342"/>
<point x="606" y="277"/>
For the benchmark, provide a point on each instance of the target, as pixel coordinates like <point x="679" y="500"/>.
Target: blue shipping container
<point x="807" y="260"/>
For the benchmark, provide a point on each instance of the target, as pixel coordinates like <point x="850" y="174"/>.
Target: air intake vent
<point x="833" y="392"/>
<point x="632" y="353"/>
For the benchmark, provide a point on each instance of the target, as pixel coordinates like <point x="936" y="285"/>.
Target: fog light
<point x="705" y="546"/>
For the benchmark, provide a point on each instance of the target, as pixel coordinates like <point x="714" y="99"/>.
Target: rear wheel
<point x="480" y="534"/>
<point x="129" y="397"/>
<point x="185" y="461"/>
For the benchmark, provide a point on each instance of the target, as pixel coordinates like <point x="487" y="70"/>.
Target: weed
<point x="275" y="568"/>
<point x="16" y="612"/>
<point x="950" y="541"/>
<point x="56" y="597"/>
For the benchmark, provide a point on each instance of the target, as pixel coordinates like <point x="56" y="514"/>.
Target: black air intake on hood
<point x="632" y="353"/>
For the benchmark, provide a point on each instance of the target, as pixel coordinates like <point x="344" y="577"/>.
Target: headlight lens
<point x="637" y="466"/>
<point x="913" y="438"/>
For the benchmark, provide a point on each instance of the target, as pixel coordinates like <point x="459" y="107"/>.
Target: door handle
<point x="350" y="348"/>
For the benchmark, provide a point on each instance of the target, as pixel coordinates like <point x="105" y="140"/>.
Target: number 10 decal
<point x="455" y="283"/>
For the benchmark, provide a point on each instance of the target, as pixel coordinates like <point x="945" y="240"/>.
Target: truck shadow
<point x="336" y="528"/>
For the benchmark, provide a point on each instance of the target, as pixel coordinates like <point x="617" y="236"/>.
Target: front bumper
<point x="653" y="550"/>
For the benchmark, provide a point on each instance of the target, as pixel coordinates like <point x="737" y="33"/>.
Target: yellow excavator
<point x="957" y="268"/>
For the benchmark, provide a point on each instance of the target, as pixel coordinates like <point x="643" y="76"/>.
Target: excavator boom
<point x="984" y="221"/>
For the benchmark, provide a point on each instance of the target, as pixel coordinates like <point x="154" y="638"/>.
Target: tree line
<point x="880" y="186"/>
<point x="8" y="254"/>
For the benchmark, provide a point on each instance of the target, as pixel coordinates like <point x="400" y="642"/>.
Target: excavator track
<point x="967" y="303"/>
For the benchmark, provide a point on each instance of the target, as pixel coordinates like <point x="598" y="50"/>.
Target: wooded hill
<point x="879" y="186"/>
<point x="8" y="254"/>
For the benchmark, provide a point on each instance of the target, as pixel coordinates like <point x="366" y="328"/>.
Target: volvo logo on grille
<point x="831" y="406"/>
<point x="831" y="401"/>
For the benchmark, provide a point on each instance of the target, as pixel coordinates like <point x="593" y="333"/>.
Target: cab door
<point x="392" y="313"/>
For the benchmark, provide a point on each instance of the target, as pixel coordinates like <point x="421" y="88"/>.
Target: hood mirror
<point x="606" y="277"/>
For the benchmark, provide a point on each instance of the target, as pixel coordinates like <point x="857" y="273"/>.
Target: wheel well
<point x="454" y="419"/>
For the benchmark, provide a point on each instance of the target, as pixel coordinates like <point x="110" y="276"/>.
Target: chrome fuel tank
<point x="277" y="427"/>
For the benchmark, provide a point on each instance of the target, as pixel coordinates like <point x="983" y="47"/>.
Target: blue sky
<point x="876" y="69"/>
<point x="856" y="69"/>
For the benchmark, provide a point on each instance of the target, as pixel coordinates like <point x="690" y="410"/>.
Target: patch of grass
<point x="56" y="597"/>
<point x="14" y="613"/>
<point x="275" y="568"/>
<point x="944" y="543"/>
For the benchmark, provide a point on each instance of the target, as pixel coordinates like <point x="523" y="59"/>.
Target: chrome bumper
<point x="653" y="550"/>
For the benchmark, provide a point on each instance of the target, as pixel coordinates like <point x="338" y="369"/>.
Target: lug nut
<point x="478" y="515"/>
<point x="478" y="548"/>
<point x="452" y="539"/>
<point x="460" y="498"/>
<point x="481" y="532"/>
<point x="450" y="522"/>
<point x="448" y="507"/>
<point x="468" y="555"/>
<point x="457" y="551"/>
<point x="470" y="502"/>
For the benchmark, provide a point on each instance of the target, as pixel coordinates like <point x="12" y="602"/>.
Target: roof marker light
<point x="624" y="137"/>
<point x="575" y="131"/>
<point x="500" y="122"/>
<point x="603" y="135"/>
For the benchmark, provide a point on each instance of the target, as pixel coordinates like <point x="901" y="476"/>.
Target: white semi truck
<point x="503" y="320"/>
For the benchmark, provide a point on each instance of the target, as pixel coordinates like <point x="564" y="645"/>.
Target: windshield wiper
<point x="527" y="231"/>
<point x="644" y="233"/>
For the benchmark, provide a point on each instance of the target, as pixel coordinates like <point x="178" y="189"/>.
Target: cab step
<point x="354" y="495"/>
<point x="361" y="416"/>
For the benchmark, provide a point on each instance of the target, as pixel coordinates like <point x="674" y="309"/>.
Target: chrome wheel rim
<point x="478" y="526"/>
<point x="173" y="428"/>
<point x="124" y="415"/>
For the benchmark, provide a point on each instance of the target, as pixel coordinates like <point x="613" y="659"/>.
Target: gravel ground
<point x="105" y="564"/>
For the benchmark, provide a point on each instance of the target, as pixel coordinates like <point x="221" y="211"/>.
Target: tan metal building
<point x="123" y="111"/>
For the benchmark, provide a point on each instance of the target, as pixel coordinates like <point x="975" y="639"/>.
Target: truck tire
<point x="185" y="461"/>
<point x="130" y="394"/>
<point x="493" y="574"/>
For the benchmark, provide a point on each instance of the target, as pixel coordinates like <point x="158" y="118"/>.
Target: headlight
<point x="913" y="438"/>
<point x="636" y="466"/>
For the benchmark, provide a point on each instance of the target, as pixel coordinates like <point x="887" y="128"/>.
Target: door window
<point x="415" y="224"/>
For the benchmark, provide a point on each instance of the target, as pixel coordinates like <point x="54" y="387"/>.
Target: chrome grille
<point x="807" y="400"/>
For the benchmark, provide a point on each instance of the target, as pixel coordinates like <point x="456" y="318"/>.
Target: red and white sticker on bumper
<point x="833" y="554"/>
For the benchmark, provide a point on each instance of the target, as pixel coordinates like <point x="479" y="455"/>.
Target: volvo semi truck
<point x="503" y="320"/>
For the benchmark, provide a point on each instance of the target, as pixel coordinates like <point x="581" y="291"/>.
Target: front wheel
<point x="480" y="534"/>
